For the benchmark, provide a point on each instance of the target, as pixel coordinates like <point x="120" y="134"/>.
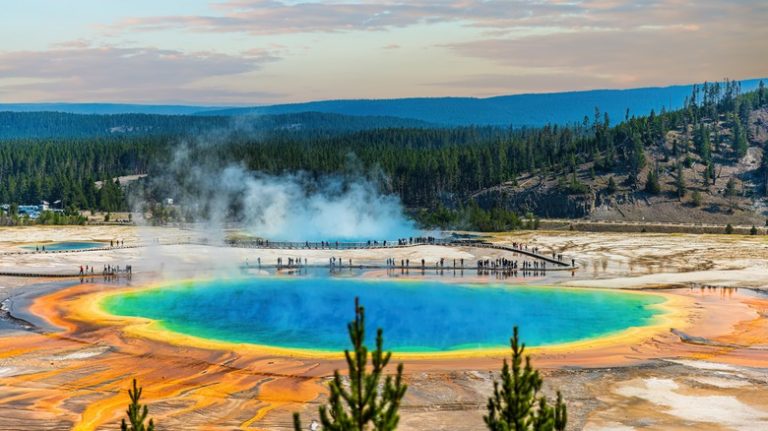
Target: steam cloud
<point x="289" y="207"/>
<point x="296" y="208"/>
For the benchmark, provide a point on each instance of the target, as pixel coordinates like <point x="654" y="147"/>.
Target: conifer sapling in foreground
<point x="136" y="412"/>
<point x="516" y="404"/>
<point x="362" y="403"/>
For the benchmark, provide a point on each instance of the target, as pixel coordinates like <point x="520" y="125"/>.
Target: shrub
<point x="696" y="198"/>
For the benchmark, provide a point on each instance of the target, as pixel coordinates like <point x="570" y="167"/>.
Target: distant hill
<point x="105" y="108"/>
<point x="515" y="110"/>
<point x="16" y="125"/>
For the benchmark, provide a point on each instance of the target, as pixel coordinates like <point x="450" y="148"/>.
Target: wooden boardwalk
<point x="79" y="250"/>
<point x="40" y="274"/>
<point x="560" y="265"/>
<point x="283" y="245"/>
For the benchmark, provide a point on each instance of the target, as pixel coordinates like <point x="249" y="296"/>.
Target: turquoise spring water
<point x="417" y="316"/>
<point x="65" y="246"/>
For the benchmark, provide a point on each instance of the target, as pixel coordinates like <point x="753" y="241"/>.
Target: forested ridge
<point x="530" y="110"/>
<point x="65" y="125"/>
<point x="429" y="168"/>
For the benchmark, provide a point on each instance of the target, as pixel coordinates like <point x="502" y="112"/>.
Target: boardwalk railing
<point x="343" y="245"/>
<point x="523" y="251"/>
<point x="326" y="245"/>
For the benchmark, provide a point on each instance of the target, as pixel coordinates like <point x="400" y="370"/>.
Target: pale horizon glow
<point x="256" y="52"/>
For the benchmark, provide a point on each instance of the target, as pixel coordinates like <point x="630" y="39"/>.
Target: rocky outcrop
<point x="547" y="202"/>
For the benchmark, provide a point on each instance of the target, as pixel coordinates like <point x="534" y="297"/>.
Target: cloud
<point x="278" y="17"/>
<point x="339" y="48"/>
<point x="624" y="46"/>
<point x="85" y="72"/>
<point x="624" y="58"/>
<point x="608" y="42"/>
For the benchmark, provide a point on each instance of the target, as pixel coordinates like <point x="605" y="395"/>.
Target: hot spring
<point x="65" y="245"/>
<point x="417" y="316"/>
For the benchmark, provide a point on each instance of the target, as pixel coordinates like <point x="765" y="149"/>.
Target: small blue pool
<point x="64" y="246"/>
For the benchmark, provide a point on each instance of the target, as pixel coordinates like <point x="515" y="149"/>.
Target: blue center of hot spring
<point x="418" y="316"/>
<point x="65" y="246"/>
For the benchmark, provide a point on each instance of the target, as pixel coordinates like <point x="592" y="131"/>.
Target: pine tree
<point x="705" y="177"/>
<point x="764" y="168"/>
<point x="739" y="138"/>
<point x="680" y="181"/>
<point x="136" y="412"/>
<point x="363" y="404"/>
<point x="636" y="158"/>
<point x="702" y="143"/>
<point x="711" y="173"/>
<point x="516" y="404"/>
<point x="652" y="185"/>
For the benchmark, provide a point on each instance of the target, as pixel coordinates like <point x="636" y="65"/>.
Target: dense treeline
<point x="473" y="217"/>
<point x="429" y="168"/>
<point x="423" y="166"/>
<point x="14" y="125"/>
<point x="33" y="170"/>
<point x="59" y="124"/>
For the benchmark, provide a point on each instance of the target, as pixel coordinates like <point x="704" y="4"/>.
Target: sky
<point x="252" y="52"/>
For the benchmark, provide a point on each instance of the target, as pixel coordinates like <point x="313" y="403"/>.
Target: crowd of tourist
<point x="107" y="270"/>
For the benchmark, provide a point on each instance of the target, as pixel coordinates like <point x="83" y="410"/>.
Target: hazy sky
<point x="269" y="51"/>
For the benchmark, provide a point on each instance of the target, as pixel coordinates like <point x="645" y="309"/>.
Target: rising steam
<point x="290" y="207"/>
